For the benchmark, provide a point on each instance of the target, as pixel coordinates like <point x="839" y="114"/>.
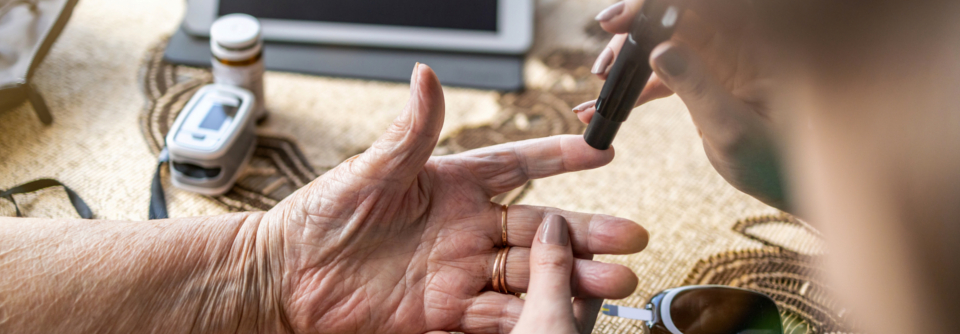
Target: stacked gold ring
<point x="500" y="264"/>
<point x="503" y="225"/>
<point x="500" y="272"/>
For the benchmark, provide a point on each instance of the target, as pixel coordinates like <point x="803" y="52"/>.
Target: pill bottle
<point x="237" y="47"/>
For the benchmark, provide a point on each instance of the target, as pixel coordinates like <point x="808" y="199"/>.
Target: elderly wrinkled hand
<point x="397" y="241"/>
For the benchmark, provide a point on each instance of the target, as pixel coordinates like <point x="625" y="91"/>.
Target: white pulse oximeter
<point x="212" y="139"/>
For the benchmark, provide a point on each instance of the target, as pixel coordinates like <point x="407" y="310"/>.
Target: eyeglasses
<point x="705" y="309"/>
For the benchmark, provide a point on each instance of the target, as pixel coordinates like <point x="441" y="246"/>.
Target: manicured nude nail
<point x="554" y="231"/>
<point x="611" y="12"/>
<point x="584" y="106"/>
<point x="603" y="62"/>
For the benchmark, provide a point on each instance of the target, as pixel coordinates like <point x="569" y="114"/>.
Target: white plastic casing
<point x="228" y="148"/>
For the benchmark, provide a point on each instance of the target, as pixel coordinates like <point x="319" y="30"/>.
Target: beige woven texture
<point x="660" y="178"/>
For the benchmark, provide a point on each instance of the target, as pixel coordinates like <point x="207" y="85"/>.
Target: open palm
<point x="397" y="241"/>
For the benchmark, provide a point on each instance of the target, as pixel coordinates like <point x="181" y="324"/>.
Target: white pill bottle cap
<point x="236" y="37"/>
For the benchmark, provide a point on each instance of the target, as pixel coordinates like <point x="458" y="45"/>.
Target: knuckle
<point x="496" y="168"/>
<point x="553" y="263"/>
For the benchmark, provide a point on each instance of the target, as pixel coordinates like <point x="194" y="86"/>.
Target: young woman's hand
<point x="397" y="241"/>
<point x="548" y="308"/>
<point x="714" y="65"/>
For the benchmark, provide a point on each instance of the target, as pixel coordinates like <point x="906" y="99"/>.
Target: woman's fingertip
<point x="669" y="61"/>
<point x="611" y="12"/>
<point x="586" y="115"/>
<point x="554" y="231"/>
<point x="584" y="106"/>
<point x="602" y="65"/>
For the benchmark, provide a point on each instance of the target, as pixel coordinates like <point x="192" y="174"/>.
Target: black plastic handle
<point x="630" y="72"/>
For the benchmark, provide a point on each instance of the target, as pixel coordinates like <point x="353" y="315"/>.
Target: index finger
<point x="501" y="168"/>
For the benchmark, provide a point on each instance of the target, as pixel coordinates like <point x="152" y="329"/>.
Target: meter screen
<point x="218" y="114"/>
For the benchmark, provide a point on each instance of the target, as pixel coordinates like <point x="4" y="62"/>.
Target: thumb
<point x="401" y="152"/>
<point x="547" y="304"/>
<point x="714" y="109"/>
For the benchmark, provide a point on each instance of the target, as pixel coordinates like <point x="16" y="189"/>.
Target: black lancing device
<point x="630" y="72"/>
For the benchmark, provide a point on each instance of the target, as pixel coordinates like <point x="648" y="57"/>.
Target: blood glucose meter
<point x="212" y="139"/>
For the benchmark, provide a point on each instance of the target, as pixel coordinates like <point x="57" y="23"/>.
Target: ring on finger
<point x="503" y="224"/>
<point x="496" y="271"/>
<point x="500" y="281"/>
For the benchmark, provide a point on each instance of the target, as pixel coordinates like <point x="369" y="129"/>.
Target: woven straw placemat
<point x="113" y="99"/>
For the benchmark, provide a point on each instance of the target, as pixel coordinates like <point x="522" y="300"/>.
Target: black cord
<point x="158" y="202"/>
<point x="78" y="204"/>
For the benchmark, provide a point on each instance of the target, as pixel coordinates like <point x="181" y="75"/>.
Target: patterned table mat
<point x="114" y="99"/>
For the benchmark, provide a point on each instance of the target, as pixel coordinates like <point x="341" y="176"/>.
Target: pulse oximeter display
<point x="218" y="114"/>
<point x="210" y="121"/>
<point x="212" y="139"/>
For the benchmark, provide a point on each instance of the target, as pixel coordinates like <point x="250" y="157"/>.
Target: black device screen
<point x="478" y="15"/>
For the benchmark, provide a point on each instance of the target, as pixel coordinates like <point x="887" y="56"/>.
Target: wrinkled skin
<point x="397" y="241"/>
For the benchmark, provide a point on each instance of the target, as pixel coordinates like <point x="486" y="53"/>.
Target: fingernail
<point x="603" y="61"/>
<point x="671" y="62"/>
<point x="611" y="12"/>
<point x="584" y="106"/>
<point x="416" y="74"/>
<point x="554" y="231"/>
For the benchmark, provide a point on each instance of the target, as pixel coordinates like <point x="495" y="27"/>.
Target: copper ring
<point x="502" y="286"/>
<point x="503" y="225"/>
<point x="496" y="271"/>
<point x="503" y="269"/>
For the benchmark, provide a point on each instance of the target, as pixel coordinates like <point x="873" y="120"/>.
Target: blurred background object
<point x="477" y="43"/>
<point x="237" y="45"/>
<point x="28" y="29"/>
